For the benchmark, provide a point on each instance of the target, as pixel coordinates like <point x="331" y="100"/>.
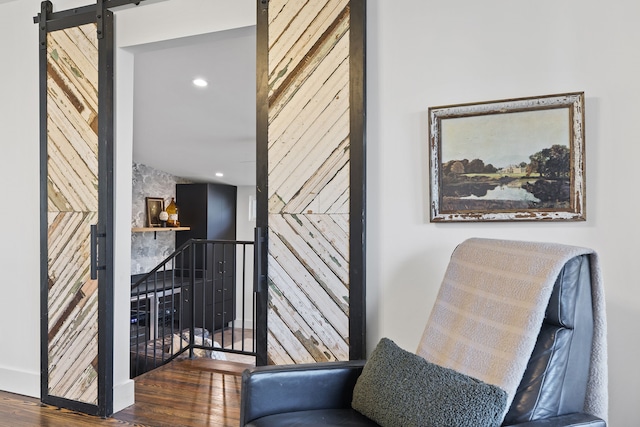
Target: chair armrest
<point x="570" y="420"/>
<point x="269" y="390"/>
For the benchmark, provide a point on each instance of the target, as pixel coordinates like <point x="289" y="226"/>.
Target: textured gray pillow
<point x="398" y="388"/>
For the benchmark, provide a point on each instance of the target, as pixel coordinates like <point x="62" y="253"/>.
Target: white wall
<point x="424" y="53"/>
<point x="150" y="248"/>
<point x="420" y="53"/>
<point x="245" y="226"/>
<point x="19" y="148"/>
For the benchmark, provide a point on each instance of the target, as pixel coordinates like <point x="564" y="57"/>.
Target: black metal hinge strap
<point x="100" y="9"/>
<point x="46" y="7"/>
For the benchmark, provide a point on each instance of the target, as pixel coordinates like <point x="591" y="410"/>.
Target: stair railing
<point x="191" y="302"/>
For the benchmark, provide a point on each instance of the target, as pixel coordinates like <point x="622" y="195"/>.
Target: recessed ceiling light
<point x="200" y="82"/>
<point x="219" y="174"/>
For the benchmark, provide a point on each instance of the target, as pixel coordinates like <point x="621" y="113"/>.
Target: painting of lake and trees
<point x="506" y="161"/>
<point x="512" y="159"/>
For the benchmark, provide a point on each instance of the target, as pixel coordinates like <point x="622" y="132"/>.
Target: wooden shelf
<point x="154" y="229"/>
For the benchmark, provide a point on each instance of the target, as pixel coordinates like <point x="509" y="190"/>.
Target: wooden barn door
<point x="76" y="156"/>
<point x="311" y="145"/>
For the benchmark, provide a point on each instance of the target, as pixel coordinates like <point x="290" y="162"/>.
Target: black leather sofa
<point x="551" y="393"/>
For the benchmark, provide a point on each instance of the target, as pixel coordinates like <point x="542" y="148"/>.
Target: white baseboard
<point x="20" y="382"/>
<point x="28" y="384"/>
<point x="123" y="395"/>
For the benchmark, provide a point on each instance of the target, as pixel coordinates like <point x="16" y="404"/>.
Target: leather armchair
<point x="551" y="393"/>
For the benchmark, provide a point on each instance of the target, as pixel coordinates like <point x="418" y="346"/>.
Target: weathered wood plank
<point x="77" y="132"/>
<point x="285" y="31"/>
<point x="72" y="183"/>
<point x="301" y="343"/>
<point x="74" y="347"/>
<point x="321" y="244"/>
<point x="334" y="197"/>
<point x="72" y="63"/>
<point x="331" y="228"/>
<point x="284" y="346"/>
<point x="312" y="72"/>
<point x="305" y="136"/>
<point x="304" y="299"/>
<point x="306" y="155"/>
<point x="277" y="355"/>
<point x="65" y="193"/>
<point x="85" y="38"/>
<point x="294" y="39"/>
<point x="316" y="86"/>
<point x="288" y="246"/>
<point x="309" y="198"/>
<point x="72" y="144"/>
<point x="68" y="248"/>
<point x="341" y="205"/>
<point x="308" y="167"/>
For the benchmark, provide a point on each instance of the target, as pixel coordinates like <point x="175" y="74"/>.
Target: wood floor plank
<point x="184" y="393"/>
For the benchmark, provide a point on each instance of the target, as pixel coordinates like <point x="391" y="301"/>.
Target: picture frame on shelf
<point x="508" y="160"/>
<point x="154" y="205"/>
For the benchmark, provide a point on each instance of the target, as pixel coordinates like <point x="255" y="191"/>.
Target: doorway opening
<point x="183" y="135"/>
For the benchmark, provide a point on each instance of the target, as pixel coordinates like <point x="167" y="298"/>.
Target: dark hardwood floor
<point x="184" y="393"/>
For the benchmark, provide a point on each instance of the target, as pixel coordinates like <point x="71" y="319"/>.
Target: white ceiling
<point x="196" y="132"/>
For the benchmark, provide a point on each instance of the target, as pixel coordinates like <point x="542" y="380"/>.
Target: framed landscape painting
<point x="508" y="160"/>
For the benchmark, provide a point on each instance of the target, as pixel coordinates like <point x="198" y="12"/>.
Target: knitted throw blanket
<point x="491" y="305"/>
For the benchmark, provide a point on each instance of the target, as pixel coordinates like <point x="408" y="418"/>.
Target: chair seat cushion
<point x="399" y="388"/>
<point x="346" y="417"/>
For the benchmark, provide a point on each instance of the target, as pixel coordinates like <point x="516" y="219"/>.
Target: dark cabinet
<point x="210" y="211"/>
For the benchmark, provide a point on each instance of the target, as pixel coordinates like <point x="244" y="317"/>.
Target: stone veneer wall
<point x="147" y="251"/>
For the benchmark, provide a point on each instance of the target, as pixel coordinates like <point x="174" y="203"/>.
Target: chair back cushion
<point x="555" y="380"/>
